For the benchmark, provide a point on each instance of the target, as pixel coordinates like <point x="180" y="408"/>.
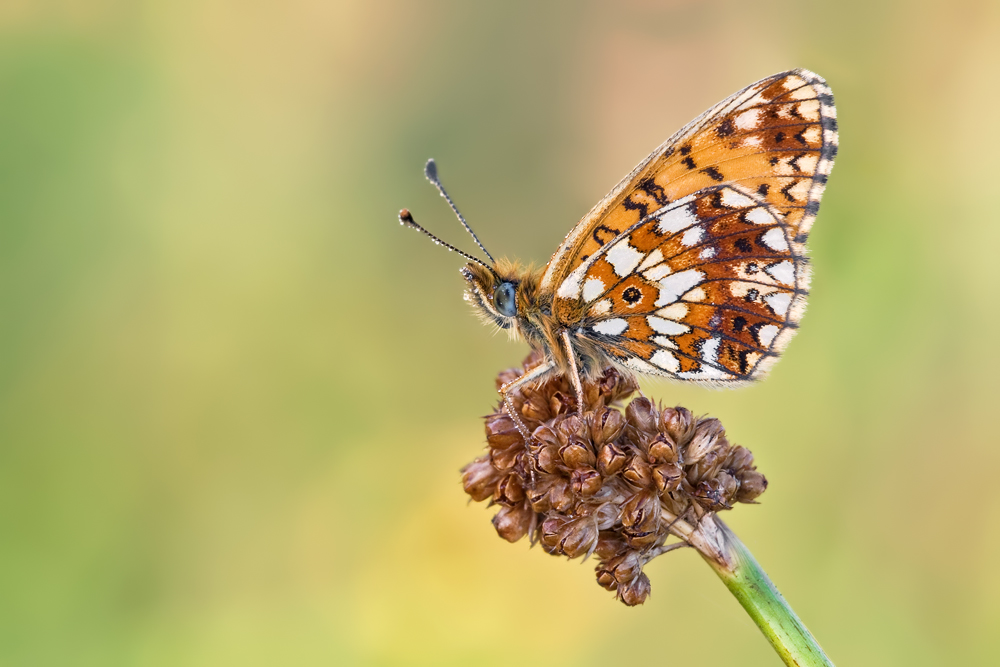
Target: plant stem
<point x="745" y="579"/>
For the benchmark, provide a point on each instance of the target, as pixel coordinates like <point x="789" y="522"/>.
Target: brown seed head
<point x="642" y="418"/>
<point x="706" y="439"/>
<point x="678" y="423"/>
<point x="509" y="491"/>
<point x="479" y="478"/>
<point x="638" y="471"/>
<point x="611" y="460"/>
<point x="512" y="523"/>
<point x="547" y="459"/>
<point x="571" y="537"/>
<point x="610" y="544"/>
<point x="605" y="481"/>
<point x="585" y="481"/>
<point x="577" y="454"/>
<point x="606" y="425"/>
<point x="752" y="484"/>
<point x="625" y="567"/>
<point x="667" y="477"/>
<point x="561" y="495"/>
<point x="662" y="449"/>
<point x="641" y="512"/>
<point x="636" y="591"/>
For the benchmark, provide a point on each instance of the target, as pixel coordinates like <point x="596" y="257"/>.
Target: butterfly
<point x="694" y="266"/>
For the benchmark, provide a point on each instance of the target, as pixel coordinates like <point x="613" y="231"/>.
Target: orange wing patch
<point x="776" y="139"/>
<point x="709" y="288"/>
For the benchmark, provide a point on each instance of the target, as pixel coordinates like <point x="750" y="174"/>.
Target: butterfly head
<point x="502" y="294"/>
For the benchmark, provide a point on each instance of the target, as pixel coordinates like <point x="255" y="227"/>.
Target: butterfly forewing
<point x="694" y="266"/>
<point x="777" y="137"/>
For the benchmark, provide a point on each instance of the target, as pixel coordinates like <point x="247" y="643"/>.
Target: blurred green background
<point x="235" y="394"/>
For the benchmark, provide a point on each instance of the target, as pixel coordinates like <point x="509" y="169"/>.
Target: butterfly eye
<point x="504" y="300"/>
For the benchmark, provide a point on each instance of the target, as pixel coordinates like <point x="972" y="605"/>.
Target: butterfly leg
<point x="507" y="389"/>
<point x="574" y="371"/>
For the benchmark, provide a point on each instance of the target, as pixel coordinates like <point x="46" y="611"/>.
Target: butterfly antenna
<point x="431" y="172"/>
<point x="406" y="219"/>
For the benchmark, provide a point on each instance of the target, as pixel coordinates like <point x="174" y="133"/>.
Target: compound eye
<point x="504" y="299"/>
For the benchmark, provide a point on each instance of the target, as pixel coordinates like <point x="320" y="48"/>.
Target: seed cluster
<point x="600" y="481"/>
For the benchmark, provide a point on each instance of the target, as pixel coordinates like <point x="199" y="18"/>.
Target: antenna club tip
<point x="405" y="218"/>
<point x="431" y="171"/>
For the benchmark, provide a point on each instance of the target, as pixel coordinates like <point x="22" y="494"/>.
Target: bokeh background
<point x="235" y="394"/>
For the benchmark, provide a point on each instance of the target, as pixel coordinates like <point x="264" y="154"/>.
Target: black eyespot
<point x="505" y="301"/>
<point x="631" y="294"/>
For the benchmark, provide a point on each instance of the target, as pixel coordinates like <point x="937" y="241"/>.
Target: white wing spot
<point x="774" y="239"/>
<point x="709" y="355"/>
<point x="663" y="341"/>
<point x="666" y="361"/>
<point x="794" y="82"/>
<point x="673" y="286"/>
<point x="801" y="189"/>
<point x="668" y="327"/>
<point x="710" y="350"/>
<point x="767" y="334"/>
<point x="707" y="253"/>
<point x="676" y="312"/>
<point x="623" y="257"/>
<point x="759" y="216"/>
<point x="641" y="366"/>
<point x="570" y="287"/>
<point x="803" y="93"/>
<point x="652" y="259"/>
<point x="693" y="236"/>
<point x="697" y="294"/>
<point x="807" y="163"/>
<point x="783" y="272"/>
<point x="611" y="327"/>
<point x="748" y="119"/>
<point x="593" y="288"/>
<point x="677" y="219"/>
<point x="809" y="110"/>
<point x="657" y="272"/>
<point x="734" y="199"/>
<point x="779" y="302"/>
<point x="600" y="308"/>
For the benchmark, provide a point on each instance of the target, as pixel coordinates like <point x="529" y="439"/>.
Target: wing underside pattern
<point x="694" y="265"/>
<point x="708" y="288"/>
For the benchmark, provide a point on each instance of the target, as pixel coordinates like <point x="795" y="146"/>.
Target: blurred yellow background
<point x="235" y="394"/>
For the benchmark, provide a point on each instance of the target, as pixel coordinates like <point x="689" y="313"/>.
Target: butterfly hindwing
<point x="707" y="288"/>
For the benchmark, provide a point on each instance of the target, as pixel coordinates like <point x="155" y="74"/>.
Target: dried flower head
<point x="600" y="481"/>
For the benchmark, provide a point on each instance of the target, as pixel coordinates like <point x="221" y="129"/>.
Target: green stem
<point x="745" y="579"/>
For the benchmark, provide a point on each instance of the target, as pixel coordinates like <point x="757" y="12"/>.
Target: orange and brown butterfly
<point x="694" y="266"/>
